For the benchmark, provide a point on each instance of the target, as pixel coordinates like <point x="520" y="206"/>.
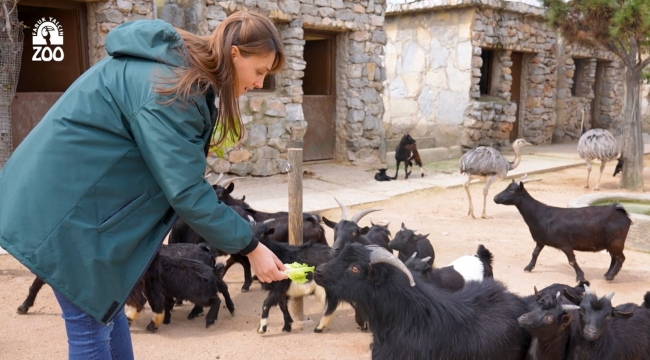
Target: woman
<point x="88" y="196"/>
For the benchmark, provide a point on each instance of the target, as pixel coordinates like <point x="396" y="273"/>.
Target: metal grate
<point x="11" y="49"/>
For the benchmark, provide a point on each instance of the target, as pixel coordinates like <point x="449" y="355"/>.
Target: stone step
<point x="422" y="143"/>
<point x="430" y="155"/>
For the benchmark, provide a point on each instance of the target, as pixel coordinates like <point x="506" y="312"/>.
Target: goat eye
<point x="548" y="318"/>
<point x="354" y="269"/>
<point x="354" y="234"/>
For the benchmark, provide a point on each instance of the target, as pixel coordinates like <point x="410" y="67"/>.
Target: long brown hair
<point x="210" y="64"/>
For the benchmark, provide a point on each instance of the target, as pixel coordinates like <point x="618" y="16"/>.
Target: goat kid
<point x="605" y="332"/>
<point x="279" y="292"/>
<point x="382" y="176"/>
<point x="592" y="228"/>
<point x="407" y="243"/>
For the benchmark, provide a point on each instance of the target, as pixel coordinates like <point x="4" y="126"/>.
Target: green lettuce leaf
<point x="298" y="272"/>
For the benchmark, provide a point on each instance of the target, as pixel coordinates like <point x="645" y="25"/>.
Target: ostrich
<point x="598" y="144"/>
<point x="486" y="163"/>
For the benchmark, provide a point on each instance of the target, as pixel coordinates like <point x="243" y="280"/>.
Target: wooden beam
<point x="294" y="156"/>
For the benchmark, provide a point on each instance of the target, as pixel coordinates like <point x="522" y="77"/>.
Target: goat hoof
<point x="528" y="268"/>
<point x="261" y="330"/>
<point x="244" y="289"/>
<point x="286" y="328"/>
<point x="152" y="327"/>
<point x="317" y="330"/>
<point x="208" y="323"/>
<point x="22" y="309"/>
<point x="232" y="312"/>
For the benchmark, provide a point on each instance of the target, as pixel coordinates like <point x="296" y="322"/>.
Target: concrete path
<point x="355" y="185"/>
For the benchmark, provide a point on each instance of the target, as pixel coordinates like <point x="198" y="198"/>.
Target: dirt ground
<point x="440" y="213"/>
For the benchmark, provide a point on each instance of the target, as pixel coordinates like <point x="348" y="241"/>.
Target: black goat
<point x="446" y="278"/>
<point x="150" y="287"/>
<point x="609" y="333"/>
<point x="381" y="175"/>
<point x="407" y="152"/>
<point x="549" y="324"/>
<point x="576" y="291"/>
<point x="411" y="321"/>
<point x="407" y="243"/>
<point x="310" y="253"/>
<point x="348" y="231"/>
<point x="192" y="280"/>
<point x="592" y="228"/>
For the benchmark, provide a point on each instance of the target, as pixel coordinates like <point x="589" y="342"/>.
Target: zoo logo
<point x="47" y="32"/>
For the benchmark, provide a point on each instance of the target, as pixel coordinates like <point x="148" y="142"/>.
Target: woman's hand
<point x="266" y="265"/>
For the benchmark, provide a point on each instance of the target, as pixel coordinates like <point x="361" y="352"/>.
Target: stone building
<point x="328" y="96"/>
<point x="470" y="72"/>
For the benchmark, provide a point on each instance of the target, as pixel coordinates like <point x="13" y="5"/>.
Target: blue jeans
<point x="89" y="339"/>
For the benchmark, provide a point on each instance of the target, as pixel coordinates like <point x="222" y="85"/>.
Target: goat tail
<point x="646" y="300"/>
<point x="486" y="258"/>
<point x="219" y="270"/>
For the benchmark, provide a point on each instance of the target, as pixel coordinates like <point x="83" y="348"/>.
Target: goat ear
<point x="536" y="292"/>
<point x="622" y="314"/>
<point x="270" y="231"/>
<point x="570" y="297"/>
<point x="372" y="277"/>
<point x="364" y="230"/>
<point x="329" y="222"/>
<point x="214" y="187"/>
<point x="403" y="227"/>
<point x="243" y="198"/>
<point x="230" y="188"/>
<point x="566" y="319"/>
<point x="521" y="185"/>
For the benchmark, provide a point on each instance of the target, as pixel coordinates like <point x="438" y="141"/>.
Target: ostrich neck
<point x="515" y="163"/>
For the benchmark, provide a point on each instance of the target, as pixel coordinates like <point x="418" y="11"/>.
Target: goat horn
<point x="355" y="219"/>
<point x="588" y="291"/>
<point x="523" y="177"/>
<point x="413" y="256"/>
<point x="344" y="210"/>
<point x="609" y="296"/>
<point x="567" y="307"/>
<point x="251" y="221"/>
<point x="426" y="259"/>
<point x="227" y="182"/>
<point x="558" y="295"/>
<point x="380" y="255"/>
<point x="218" y="179"/>
<point x="268" y="221"/>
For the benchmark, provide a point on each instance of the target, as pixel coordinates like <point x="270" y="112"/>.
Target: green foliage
<point x="631" y="20"/>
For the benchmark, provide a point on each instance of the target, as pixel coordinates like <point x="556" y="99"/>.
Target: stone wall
<point x="490" y="119"/>
<point x="547" y="111"/>
<point x="104" y="16"/>
<point x="429" y="73"/>
<point x="599" y="91"/>
<point x="273" y="118"/>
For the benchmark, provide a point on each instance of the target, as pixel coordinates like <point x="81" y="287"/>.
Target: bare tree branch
<point x="644" y="63"/>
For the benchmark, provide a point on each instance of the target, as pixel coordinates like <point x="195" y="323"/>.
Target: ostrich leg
<point x="490" y="180"/>
<point x="602" y="168"/>
<point x="469" y="197"/>
<point x="588" y="173"/>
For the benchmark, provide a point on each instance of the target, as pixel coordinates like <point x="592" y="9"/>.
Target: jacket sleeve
<point x="170" y="139"/>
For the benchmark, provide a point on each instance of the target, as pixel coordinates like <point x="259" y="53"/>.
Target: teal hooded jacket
<point x="89" y="195"/>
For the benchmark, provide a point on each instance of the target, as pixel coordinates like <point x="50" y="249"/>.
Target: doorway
<point x="515" y="91"/>
<point x="41" y="83"/>
<point x="319" y="99"/>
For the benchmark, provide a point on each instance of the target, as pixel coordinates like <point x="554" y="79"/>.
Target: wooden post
<point x="294" y="156"/>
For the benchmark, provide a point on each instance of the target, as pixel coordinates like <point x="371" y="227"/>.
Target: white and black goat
<point x="279" y="292"/>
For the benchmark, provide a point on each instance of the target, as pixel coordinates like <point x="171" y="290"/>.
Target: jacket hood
<point x="154" y="40"/>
